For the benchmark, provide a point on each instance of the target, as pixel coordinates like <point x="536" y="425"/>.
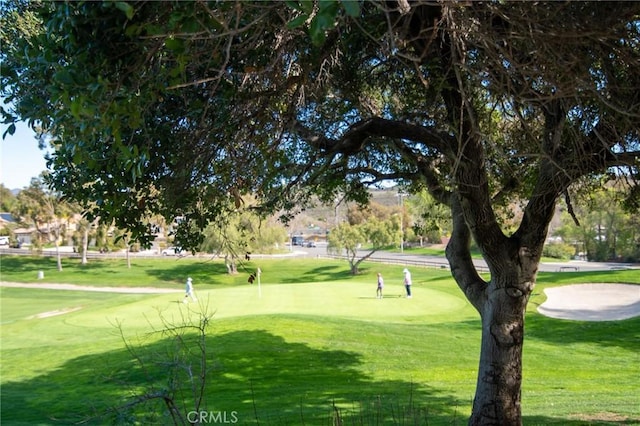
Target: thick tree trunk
<point x="497" y="399"/>
<point x="501" y="304"/>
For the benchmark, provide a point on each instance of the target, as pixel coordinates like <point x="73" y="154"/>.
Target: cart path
<point x="74" y="287"/>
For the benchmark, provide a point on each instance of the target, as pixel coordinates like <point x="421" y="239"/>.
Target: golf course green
<point x="309" y="345"/>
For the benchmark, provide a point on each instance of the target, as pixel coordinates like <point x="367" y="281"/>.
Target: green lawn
<point x="316" y="343"/>
<point x="439" y="250"/>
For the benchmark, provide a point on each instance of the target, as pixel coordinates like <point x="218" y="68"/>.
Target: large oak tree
<point x="185" y="107"/>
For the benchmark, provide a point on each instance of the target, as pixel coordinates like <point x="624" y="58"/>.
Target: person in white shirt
<point x="407" y="282"/>
<point x="189" y="292"/>
<point x="380" y="286"/>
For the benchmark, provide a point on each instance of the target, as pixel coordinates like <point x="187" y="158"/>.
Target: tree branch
<point x="459" y="257"/>
<point x="354" y="140"/>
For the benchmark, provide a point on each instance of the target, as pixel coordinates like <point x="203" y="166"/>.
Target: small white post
<point x="258" y="273"/>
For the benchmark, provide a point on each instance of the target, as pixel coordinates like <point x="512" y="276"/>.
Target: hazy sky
<point x="21" y="159"/>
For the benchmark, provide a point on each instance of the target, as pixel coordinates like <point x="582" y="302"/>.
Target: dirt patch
<point x="54" y="313"/>
<point x="592" y="302"/>
<point x="74" y="287"/>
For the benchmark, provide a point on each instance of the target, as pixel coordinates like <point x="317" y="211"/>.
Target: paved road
<point x="438" y="261"/>
<point x="389" y="257"/>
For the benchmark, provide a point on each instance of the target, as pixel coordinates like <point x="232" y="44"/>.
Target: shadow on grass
<point x="26" y="264"/>
<point x="203" y="273"/>
<point x="324" y="273"/>
<point x="257" y="376"/>
<point x="215" y="273"/>
<point x="253" y="377"/>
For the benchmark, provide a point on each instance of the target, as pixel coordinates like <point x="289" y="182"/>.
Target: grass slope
<point x="317" y="342"/>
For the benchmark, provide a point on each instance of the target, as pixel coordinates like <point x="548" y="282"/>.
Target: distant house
<point x="24" y="235"/>
<point x="8" y="221"/>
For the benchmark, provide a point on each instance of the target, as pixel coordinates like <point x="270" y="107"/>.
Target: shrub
<point x="559" y="251"/>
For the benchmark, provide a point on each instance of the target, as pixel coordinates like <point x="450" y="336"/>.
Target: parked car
<point x="310" y="243"/>
<point x="172" y="251"/>
<point x="4" y="241"/>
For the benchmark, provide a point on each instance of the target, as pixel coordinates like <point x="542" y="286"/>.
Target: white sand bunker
<point x="592" y="302"/>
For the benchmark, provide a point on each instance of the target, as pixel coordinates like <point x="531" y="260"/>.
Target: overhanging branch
<point x="354" y="140"/>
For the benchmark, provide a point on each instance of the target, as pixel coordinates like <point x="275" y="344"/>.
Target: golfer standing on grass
<point x="407" y="282"/>
<point x="189" y="292"/>
<point x="380" y="286"/>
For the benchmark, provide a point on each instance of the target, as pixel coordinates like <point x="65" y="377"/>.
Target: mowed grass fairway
<point x="315" y="345"/>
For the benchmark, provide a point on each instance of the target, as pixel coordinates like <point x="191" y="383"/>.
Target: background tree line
<point x="606" y="231"/>
<point x="57" y="221"/>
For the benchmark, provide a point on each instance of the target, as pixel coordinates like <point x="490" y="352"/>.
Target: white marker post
<point x="258" y="273"/>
